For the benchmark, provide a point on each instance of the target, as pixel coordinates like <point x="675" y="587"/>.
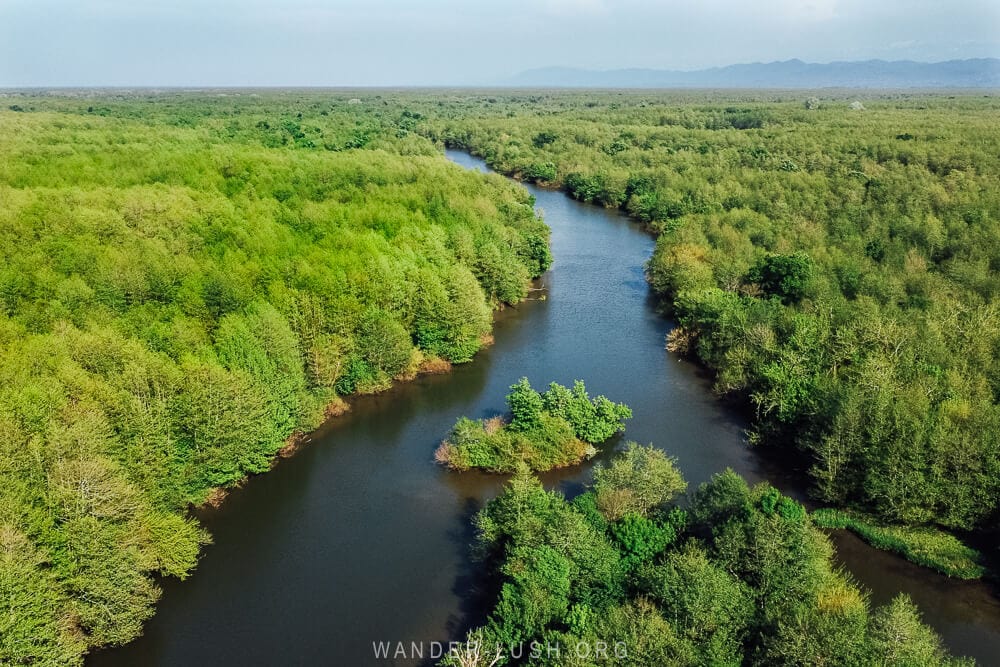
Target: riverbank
<point x="341" y="405"/>
<point x="928" y="547"/>
<point x="933" y="548"/>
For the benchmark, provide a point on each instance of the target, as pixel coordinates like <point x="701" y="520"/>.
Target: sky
<point x="454" y="42"/>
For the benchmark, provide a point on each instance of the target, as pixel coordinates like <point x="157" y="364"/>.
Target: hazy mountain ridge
<point x="970" y="73"/>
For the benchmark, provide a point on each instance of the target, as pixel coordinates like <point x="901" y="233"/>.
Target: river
<point x="361" y="538"/>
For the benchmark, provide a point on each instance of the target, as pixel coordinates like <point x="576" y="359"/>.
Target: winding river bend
<point x="361" y="538"/>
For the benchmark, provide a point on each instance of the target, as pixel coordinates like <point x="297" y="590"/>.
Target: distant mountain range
<point x="972" y="73"/>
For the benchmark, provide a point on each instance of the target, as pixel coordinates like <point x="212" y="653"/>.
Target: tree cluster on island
<point x="551" y="429"/>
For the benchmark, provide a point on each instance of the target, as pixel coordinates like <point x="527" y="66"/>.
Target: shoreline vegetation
<point x="553" y="429"/>
<point x="737" y="575"/>
<point x="338" y="406"/>
<point x="824" y="288"/>
<point x="927" y="546"/>
<point x="181" y="294"/>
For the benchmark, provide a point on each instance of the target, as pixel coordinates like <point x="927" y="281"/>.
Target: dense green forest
<point x="551" y="429"/>
<point x="621" y="575"/>
<point x="189" y="279"/>
<point x="836" y="264"/>
<point x="179" y="296"/>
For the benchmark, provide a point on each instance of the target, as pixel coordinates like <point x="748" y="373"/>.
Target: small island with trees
<point x="546" y="430"/>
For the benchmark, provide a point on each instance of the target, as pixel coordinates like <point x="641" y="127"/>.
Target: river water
<point x="360" y="538"/>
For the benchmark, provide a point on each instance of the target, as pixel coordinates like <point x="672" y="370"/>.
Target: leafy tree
<point x="899" y="637"/>
<point x="383" y="342"/>
<point x="525" y="405"/>
<point x="640" y="538"/>
<point x="707" y="606"/>
<point x="752" y="582"/>
<point x="784" y="276"/>
<point x="594" y="420"/>
<point x="638" y="481"/>
<point x="185" y="289"/>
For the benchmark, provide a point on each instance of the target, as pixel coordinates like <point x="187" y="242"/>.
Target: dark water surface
<point x="361" y="538"/>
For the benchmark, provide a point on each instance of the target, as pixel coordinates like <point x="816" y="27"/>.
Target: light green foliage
<point x="545" y="431"/>
<point x="185" y="281"/>
<point x="742" y="578"/>
<point x="638" y="481"/>
<point x="451" y="314"/>
<point x="28" y="628"/>
<point x="593" y="420"/>
<point x="901" y="639"/>
<point x="784" y="276"/>
<point x="383" y="343"/>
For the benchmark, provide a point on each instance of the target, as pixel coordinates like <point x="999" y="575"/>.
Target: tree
<point x="525" y="406"/>
<point x="704" y="603"/>
<point x="383" y="342"/>
<point x="784" y="276"/>
<point x="900" y="638"/>
<point x="594" y="421"/>
<point x="637" y="481"/>
<point x="640" y="538"/>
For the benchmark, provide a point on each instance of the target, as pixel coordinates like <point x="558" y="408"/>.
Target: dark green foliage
<point x="640" y="538"/>
<point x="543" y="139"/>
<point x="586" y="504"/>
<point x="783" y="276"/>
<point x="540" y="171"/>
<point x="545" y="431"/>
<point x="742" y="579"/>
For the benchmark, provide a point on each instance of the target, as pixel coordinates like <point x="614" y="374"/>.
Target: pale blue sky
<point x="398" y="42"/>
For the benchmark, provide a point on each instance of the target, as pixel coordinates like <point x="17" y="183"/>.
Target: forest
<point x="834" y="260"/>
<point x="176" y="300"/>
<point x="739" y="576"/>
<point x="190" y="281"/>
